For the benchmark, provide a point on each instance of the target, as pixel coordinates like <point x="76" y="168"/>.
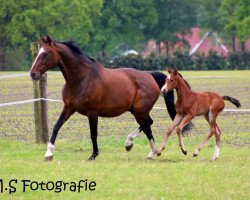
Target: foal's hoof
<point x="213" y="159"/>
<point x="48" y="158"/>
<point x="195" y="155"/>
<point x="128" y="148"/>
<point x="184" y="152"/>
<point x="158" y="153"/>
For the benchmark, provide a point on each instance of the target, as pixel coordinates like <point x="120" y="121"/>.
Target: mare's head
<point x="47" y="58"/>
<point x="172" y="81"/>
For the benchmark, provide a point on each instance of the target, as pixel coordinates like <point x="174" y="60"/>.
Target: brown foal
<point x="190" y="104"/>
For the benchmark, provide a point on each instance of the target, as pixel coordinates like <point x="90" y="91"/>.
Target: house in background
<point x="199" y="42"/>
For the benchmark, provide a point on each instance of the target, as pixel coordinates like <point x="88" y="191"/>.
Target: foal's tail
<point x="160" y="79"/>
<point x="232" y="100"/>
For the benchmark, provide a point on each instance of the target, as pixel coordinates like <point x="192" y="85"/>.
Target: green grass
<point x="122" y="175"/>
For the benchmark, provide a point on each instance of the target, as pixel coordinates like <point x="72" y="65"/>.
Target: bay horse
<point x="93" y="90"/>
<point x="190" y="104"/>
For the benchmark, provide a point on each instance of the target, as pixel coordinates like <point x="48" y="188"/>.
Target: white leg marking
<point x="50" y="149"/>
<point x="196" y="151"/>
<point x="41" y="50"/>
<point x="216" y="152"/>
<point x="131" y="136"/>
<point x="153" y="149"/>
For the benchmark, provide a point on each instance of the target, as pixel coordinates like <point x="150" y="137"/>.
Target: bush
<point x="236" y="60"/>
<point x="214" y="61"/>
<point x="239" y="60"/>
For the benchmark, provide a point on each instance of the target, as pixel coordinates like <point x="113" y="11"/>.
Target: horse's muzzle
<point x="35" y="76"/>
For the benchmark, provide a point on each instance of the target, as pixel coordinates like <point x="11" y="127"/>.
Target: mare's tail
<point x="232" y="100"/>
<point x="160" y="79"/>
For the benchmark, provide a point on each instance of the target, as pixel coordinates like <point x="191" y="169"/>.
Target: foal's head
<point x="172" y="81"/>
<point x="47" y="58"/>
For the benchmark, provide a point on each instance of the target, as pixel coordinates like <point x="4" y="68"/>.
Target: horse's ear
<point x="175" y="71"/>
<point x="168" y="70"/>
<point x="48" y="39"/>
<point x="42" y="38"/>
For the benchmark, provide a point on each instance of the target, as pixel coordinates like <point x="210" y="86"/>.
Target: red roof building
<point x="199" y="42"/>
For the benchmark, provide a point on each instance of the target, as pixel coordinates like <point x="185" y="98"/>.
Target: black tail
<point x="160" y="79"/>
<point x="232" y="100"/>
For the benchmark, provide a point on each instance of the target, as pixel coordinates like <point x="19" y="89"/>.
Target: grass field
<point x="118" y="174"/>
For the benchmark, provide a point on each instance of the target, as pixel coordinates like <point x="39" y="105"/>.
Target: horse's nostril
<point x="32" y="75"/>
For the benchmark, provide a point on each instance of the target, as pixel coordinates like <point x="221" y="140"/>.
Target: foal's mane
<point x="76" y="49"/>
<point x="184" y="80"/>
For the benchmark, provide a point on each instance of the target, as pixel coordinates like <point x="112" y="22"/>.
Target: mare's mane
<point x="77" y="50"/>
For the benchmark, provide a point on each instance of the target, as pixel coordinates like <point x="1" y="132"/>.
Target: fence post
<point x="40" y="107"/>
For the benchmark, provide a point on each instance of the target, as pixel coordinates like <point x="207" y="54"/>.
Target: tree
<point x="23" y="21"/>
<point x="122" y="23"/>
<point x="174" y="16"/>
<point x="238" y="19"/>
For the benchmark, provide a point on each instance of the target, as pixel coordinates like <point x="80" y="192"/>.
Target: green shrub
<point x="181" y="60"/>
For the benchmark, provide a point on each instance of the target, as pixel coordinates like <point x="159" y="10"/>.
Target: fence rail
<point x="60" y="101"/>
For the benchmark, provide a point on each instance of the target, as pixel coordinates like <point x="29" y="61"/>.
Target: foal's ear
<point x="175" y="71"/>
<point x="168" y="70"/>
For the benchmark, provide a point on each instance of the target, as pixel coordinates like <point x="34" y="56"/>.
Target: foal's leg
<point x="178" y="118"/>
<point x="66" y="113"/>
<point x="179" y="129"/>
<point x="217" y="141"/>
<point x="93" y="122"/>
<point x="212" y="121"/>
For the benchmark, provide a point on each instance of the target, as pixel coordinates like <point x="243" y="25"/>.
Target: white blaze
<point x="164" y="87"/>
<point x="41" y="50"/>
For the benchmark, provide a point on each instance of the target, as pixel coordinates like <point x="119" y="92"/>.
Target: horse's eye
<point x="45" y="55"/>
<point x="172" y="80"/>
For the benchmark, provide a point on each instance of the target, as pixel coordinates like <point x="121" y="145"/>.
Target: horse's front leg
<point x="175" y="123"/>
<point x="93" y="122"/>
<point x="66" y="113"/>
<point x="179" y="129"/>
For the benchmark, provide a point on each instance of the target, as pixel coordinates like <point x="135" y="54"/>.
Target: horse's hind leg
<point x="66" y="113"/>
<point x="217" y="143"/>
<point x="212" y="123"/>
<point x="145" y="124"/>
<point x="134" y="134"/>
<point x="131" y="136"/>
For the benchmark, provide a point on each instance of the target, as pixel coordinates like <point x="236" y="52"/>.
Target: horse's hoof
<point x="195" y="155"/>
<point x="213" y="159"/>
<point x="150" y="158"/>
<point x="158" y="153"/>
<point x="91" y="158"/>
<point x="48" y="158"/>
<point x="184" y="152"/>
<point x="128" y="148"/>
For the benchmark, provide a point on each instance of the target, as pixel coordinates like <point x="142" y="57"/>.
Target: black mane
<point x="76" y="49"/>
